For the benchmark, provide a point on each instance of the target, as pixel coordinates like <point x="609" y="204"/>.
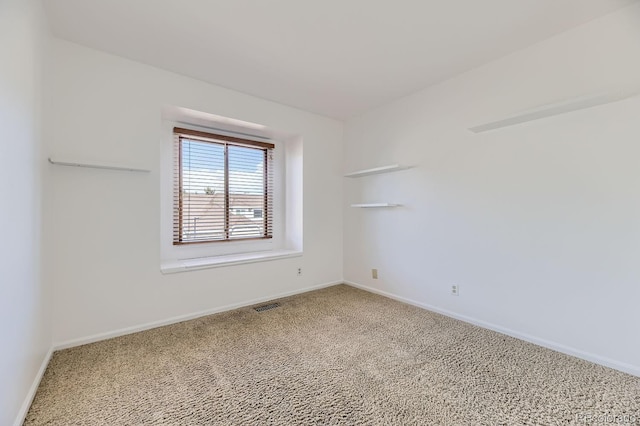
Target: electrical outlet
<point x="455" y="290"/>
<point x="299" y="271"/>
<point x="374" y="274"/>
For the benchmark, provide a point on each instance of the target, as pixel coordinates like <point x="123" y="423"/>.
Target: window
<point x="230" y="191"/>
<point x="223" y="188"/>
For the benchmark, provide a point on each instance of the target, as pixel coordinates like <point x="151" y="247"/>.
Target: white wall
<point x="539" y="224"/>
<point x="104" y="249"/>
<point x="25" y="333"/>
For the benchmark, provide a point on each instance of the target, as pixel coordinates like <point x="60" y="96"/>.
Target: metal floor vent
<point x="266" y="307"/>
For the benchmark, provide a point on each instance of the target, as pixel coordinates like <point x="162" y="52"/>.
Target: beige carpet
<point x="333" y="356"/>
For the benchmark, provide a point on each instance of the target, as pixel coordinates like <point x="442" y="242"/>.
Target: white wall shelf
<point x="552" y="109"/>
<point x="377" y="170"/>
<point x="375" y="205"/>
<point x="97" y="166"/>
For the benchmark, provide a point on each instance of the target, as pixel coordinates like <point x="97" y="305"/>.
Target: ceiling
<point x="338" y="58"/>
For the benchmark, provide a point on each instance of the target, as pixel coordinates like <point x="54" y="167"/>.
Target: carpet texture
<point x="337" y="356"/>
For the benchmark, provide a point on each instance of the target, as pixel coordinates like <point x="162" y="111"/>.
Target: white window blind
<point x="223" y="188"/>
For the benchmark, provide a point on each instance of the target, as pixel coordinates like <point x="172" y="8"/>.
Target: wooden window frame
<point x="226" y="141"/>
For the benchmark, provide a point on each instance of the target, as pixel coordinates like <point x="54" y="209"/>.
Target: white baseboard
<point x="607" y="362"/>
<point x="22" y="414"/>
<point x="134" y="329"/>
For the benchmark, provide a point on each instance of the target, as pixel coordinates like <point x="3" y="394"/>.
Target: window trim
<point x="182" y="133"/>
